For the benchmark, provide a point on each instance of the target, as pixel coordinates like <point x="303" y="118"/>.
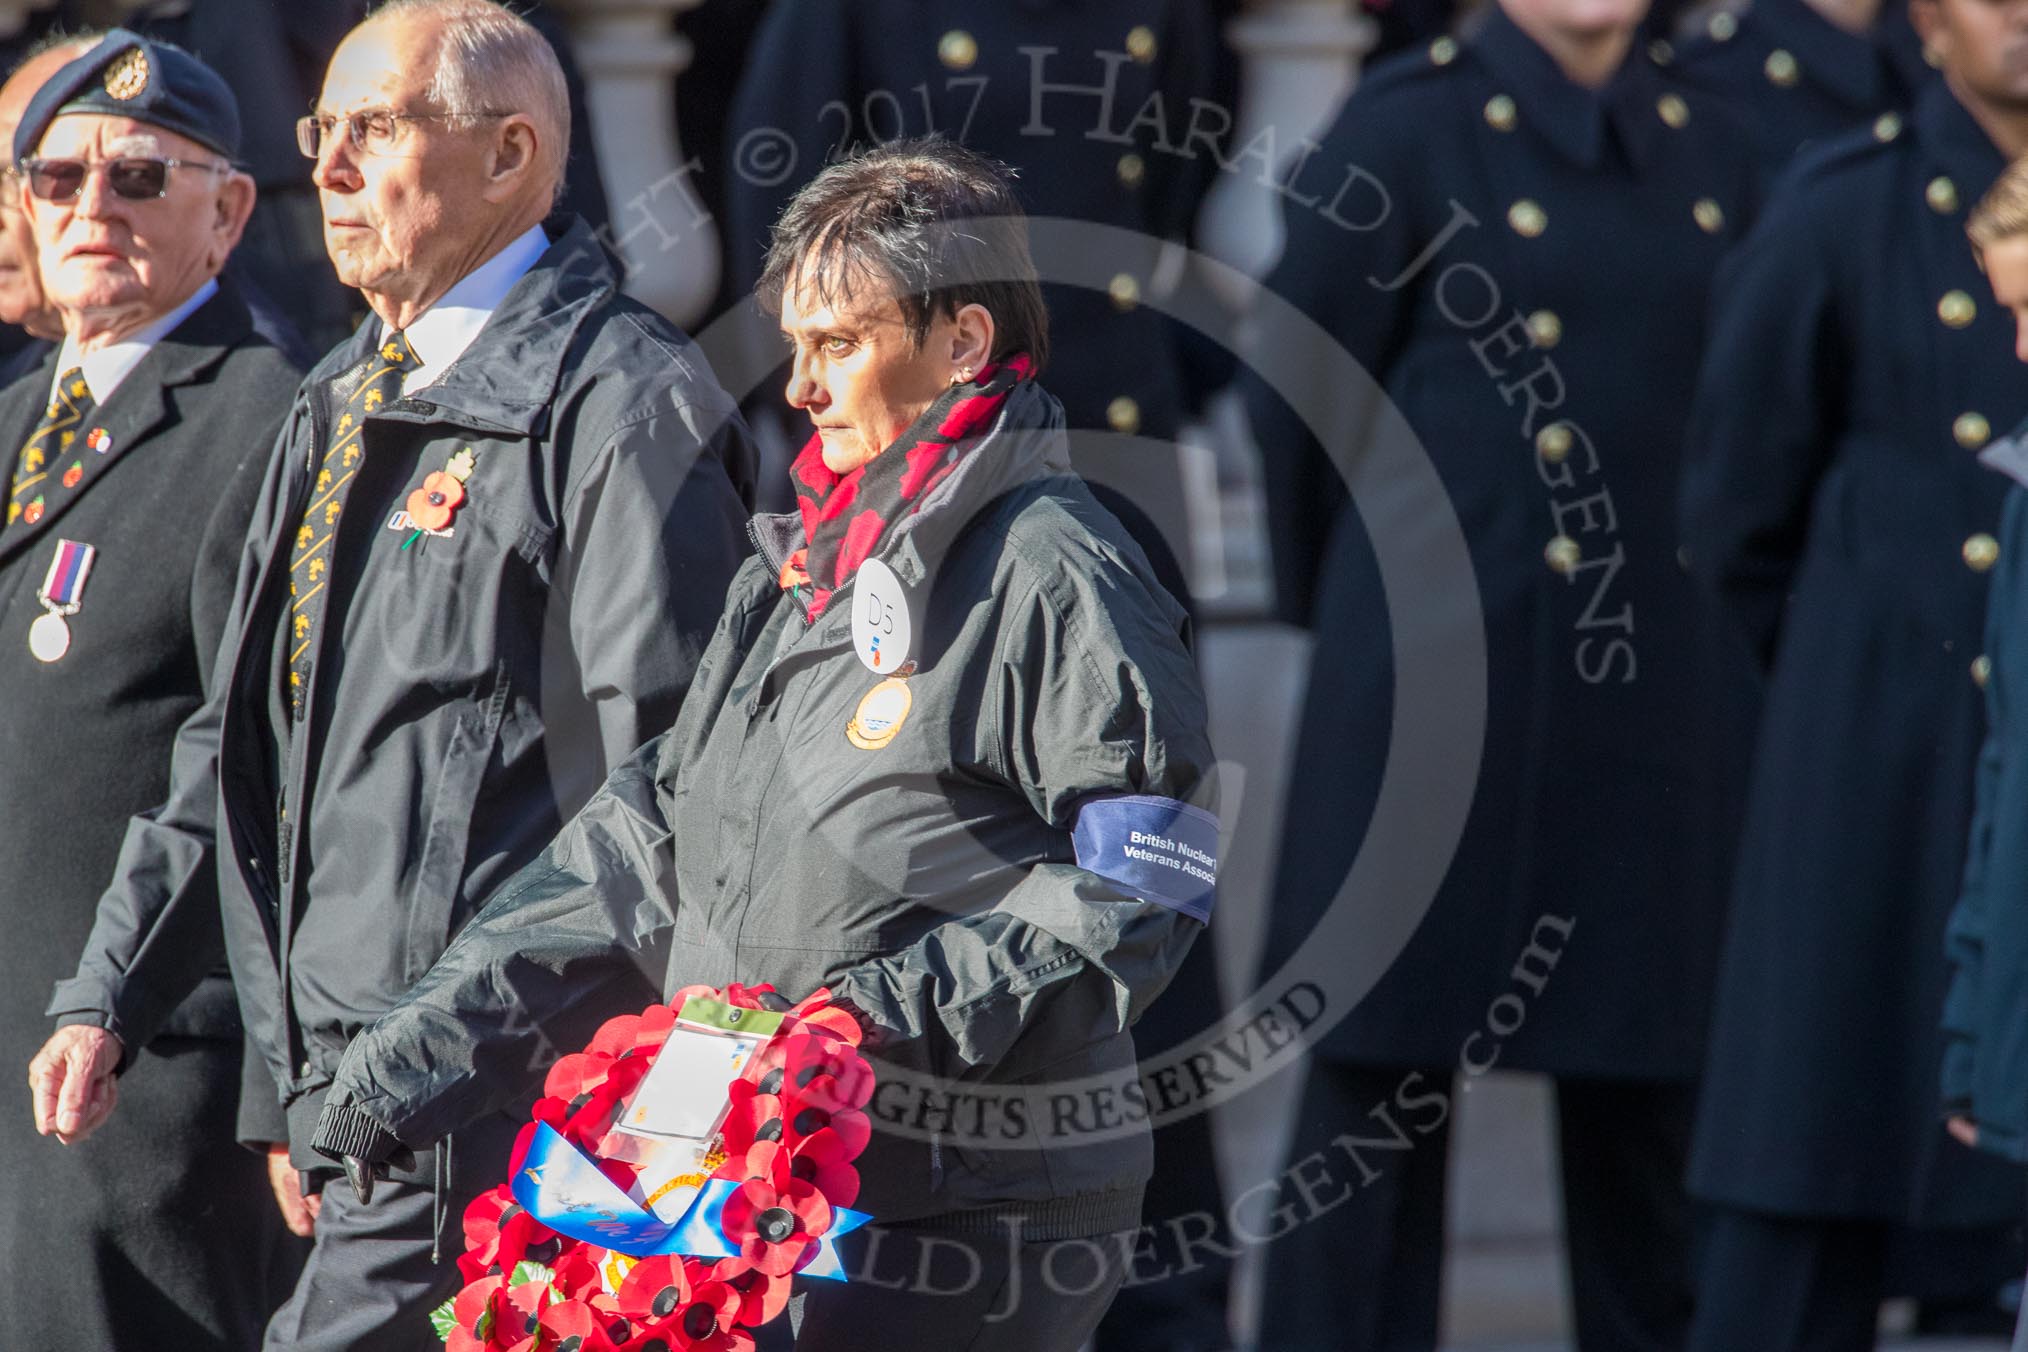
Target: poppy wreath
<point x="796" y="1123"/>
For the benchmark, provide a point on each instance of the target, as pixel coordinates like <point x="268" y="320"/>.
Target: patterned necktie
<point x="310" y="561"/>
<point x="53" y="436"/>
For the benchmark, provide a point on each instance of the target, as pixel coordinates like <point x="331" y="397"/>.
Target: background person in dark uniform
<point x="493" y="540"/>
<point x="32" y="324"/>
<point x="126" y="510"/>
<point x="1836" y="503"/>
<point x="1520" y="260"/>
<point x="837" y="76"/>
<point x="1985" y="1016"/>
<point x="1800" y="71"/>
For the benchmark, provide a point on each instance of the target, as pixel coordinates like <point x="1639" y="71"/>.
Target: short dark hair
<point x="938" y="222"/>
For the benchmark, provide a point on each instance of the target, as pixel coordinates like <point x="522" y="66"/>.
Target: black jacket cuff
<point x="343" y="1130"/>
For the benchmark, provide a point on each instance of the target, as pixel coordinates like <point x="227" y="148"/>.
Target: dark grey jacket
<point x="930" y="882"/>
<point x="471" y="689"/>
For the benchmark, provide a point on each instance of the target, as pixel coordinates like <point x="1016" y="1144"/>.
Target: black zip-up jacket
<point x="928" y="872"/>
<point x="471" y="688"/>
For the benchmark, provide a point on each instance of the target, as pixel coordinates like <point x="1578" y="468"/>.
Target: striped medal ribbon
<point x="61" y="595"/>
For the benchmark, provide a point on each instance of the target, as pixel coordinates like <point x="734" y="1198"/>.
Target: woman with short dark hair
<point x="943" y="696"/>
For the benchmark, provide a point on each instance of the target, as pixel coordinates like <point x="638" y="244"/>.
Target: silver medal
<point x="49" y="637"/>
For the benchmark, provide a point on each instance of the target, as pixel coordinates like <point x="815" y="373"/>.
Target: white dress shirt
<point x="441" y="333"/>
<point x="113" y="363"/>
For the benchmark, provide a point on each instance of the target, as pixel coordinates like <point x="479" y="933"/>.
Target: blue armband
<point x="1156" y="848"/>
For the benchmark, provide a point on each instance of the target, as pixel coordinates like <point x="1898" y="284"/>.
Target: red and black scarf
<point x="848" y="518"/>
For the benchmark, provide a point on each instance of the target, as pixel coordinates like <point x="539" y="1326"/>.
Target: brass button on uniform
<point x="1972" y="430"/>
<point x="1710" y="217"/>
<point x="1123" y="415"/>
<point x="1501" y="115"/>
<point x="1562" y="555"/>
<point x="1528" y="218"/>
<point x="1942" y="195"/>
<point x="1981" y="552"/>
<point x="1781" y="68"/>
<point x="1661" y="51"/>
<point x="1545" y="328"/>
<point x="1982" y="670"/>
<point x="1957" y="309"/>
<point x="1552" y="443"/>
<point x="1722" y="26"/>
<point x="957" y="49"/>
<point x="1141" y="43"/>
<point x="1887" y="126"/>
<point x="1673" y="110"/>
<point x="1443" y="51"/>
<point x="1131" y="169"/>
<point x="1125" y="291"/>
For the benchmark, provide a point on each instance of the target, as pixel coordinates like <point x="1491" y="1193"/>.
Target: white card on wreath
<point x="684" y="1092"/>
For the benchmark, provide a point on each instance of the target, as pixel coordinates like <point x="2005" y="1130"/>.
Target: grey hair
<point x="491" y="61"/>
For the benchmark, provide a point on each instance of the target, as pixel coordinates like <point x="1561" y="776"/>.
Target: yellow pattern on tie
<point x="309" y="559"/>
<point x="70" y="405"/>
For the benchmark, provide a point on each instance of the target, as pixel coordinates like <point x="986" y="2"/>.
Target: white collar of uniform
<point x="113" y="363"/>
<point x="441" y="333"/>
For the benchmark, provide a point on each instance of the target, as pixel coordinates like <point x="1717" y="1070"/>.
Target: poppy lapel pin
<point x="432" y="507"/>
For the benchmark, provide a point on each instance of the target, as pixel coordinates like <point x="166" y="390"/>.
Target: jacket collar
<point x="1577" y="122"/>
<point x="507" y="380"/>
<point x="1954" y="142"/>
<point x="136" y="408"/>
<point x="1866" y="72"/>
<point x="1027" y="441"/>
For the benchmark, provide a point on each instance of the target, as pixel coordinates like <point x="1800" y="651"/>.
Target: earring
<point x="962" y="376"/>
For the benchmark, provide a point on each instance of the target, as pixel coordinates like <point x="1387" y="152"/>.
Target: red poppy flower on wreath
<point x="823" y="1161"/>
<point x="680" y="1301"/>
<point x="491" y="1316"/>
<point x="753" y="1117"/>
<point x="500" y="1234"/>
<point x="761" y="1297"/>
<point x="776" y="1229"/>
<point x="473" y="1315"/>
<point x="433" y="505"/>
<point x="805" y="1057"/>
<point x="809" y="1108"/>
<point x="816" y="1014"/>
<point x="574" y="1326"/>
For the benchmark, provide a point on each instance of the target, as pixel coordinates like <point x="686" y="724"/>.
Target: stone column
<point x="631" y="56"/>
<point x="1299" y="59"/>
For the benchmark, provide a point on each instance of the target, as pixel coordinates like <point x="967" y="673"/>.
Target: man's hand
<point x="1964" y="1131"/>
<point x="72" y="1084"/>
<point x="299" y="1213"/>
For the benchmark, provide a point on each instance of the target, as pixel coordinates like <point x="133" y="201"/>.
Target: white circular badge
<point x="881" y="629"/>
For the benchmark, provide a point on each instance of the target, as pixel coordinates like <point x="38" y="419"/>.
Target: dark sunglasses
<point x="138" y="178"/>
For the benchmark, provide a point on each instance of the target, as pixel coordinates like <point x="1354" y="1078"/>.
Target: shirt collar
<point x="1576" y="121"/>
<point x="113" y="363"/>
<point x="441" y="333"/>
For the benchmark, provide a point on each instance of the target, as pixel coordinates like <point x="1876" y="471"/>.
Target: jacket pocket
<point x="440" y="877"/>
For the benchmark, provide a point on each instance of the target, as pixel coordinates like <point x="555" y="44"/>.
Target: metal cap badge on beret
<point x="127" y="75"/>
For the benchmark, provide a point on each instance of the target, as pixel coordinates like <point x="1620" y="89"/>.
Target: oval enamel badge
<point x="880" y="715"/>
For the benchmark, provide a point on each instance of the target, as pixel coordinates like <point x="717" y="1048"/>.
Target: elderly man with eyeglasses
<point x="135" y="450"/>
<point x="493" y="541"/>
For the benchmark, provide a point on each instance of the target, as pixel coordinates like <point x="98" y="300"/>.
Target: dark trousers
<point x="1365" y="1274"/>
<point x="1177" y="1302"/>
<point x="1788" y="1284"/>
<point x="157" y="1232"/>
<point x="917" y="1287"/>
<point x="370" y="1283"/>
